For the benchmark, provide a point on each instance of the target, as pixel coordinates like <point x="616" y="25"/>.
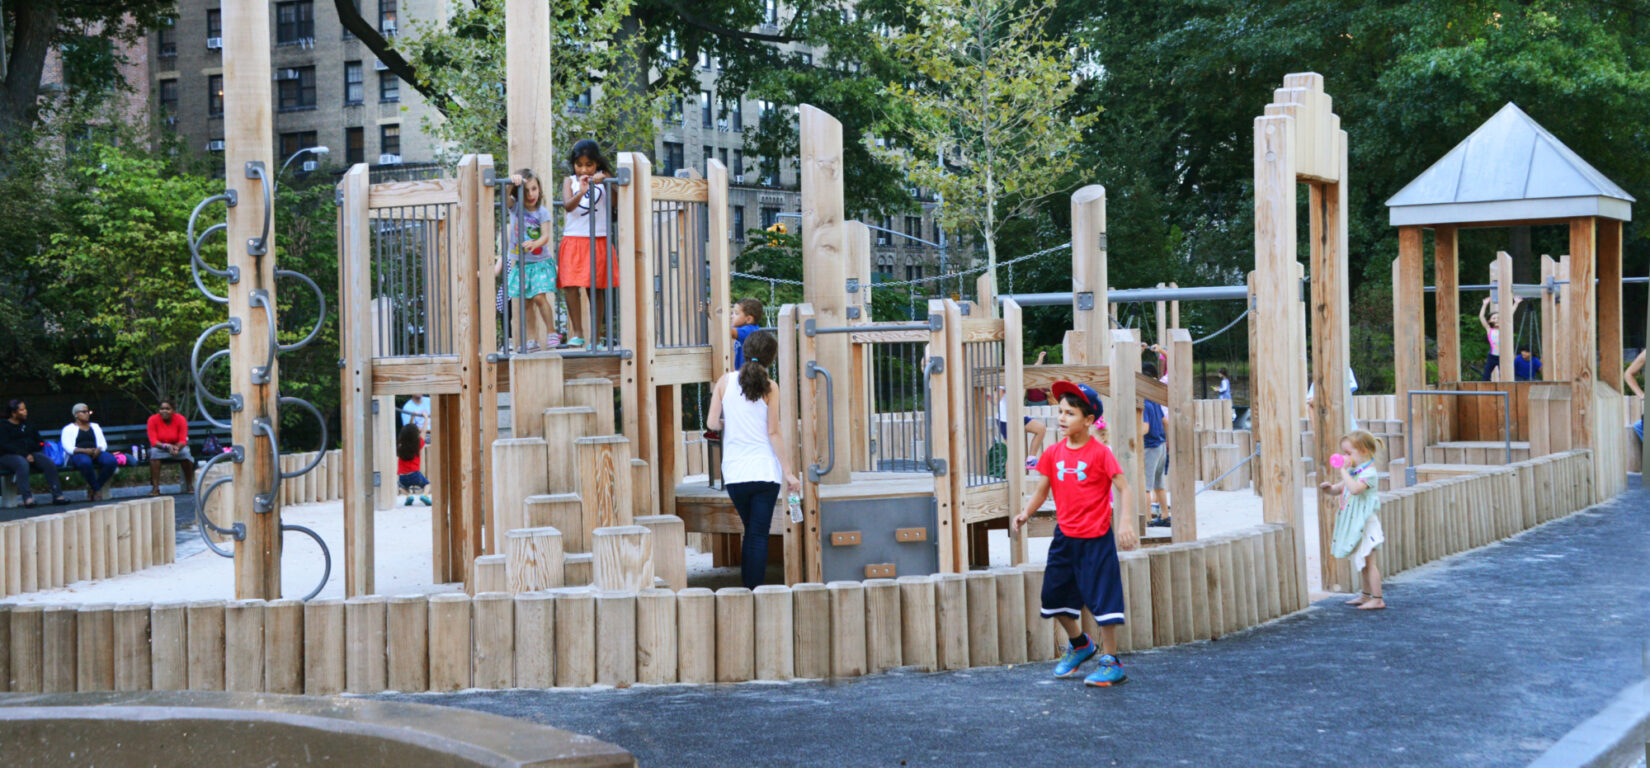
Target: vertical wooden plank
<point x="1040" y="632"/>
<point x="407" y="643"/>
<point x="494" y="641"/>
<point x="616" y="638"/>
<point x="1608" y="259"/>
<point x="735" y="635"/>
<point x="1277" y="308"/>
<point x="983" y="648"/>
<point x="696" y="635"/>
<point x="1501" y="272"/>
<point x="947" y="505"/>
<point x="1582" y="333"/>
<point x="1124" y="429"/>
<point x="518" y="464"/>
<point x="958" y="437"/>
<point x="825" y="254"/>
<point x="918" y="641"/>
<point x="1011" y="615"/>
<point x="641" y="411"/>
<point x="366" y="668"/>
<point x="1447" y="302"/>
<point x="95" y="637"/>
<point x="856" y="383"/>
<point x="951" y="620"/>
<point x="1162" y="595"/>
<point x="576" y="638"/>
<point x="168" y="646"/>
<point x="811" y="616"/>
<point x="1088" y="273"/>
<point x="25" y="647"/>
<point x="656" y="650"/>
<point x="323" y="646"/>
<point x="848" y="650"/>
<point x="789" y="411"/>
<point x="243" y="638"/>
<point x="206" y="645"/>
<point x="58" y="647"/>
<point x="449" y="643"/>
<point x="883" y="625"/>
<point x="1182" y="438"/>
<point x="284" y="646"/>
<point x="1014" y="384"/>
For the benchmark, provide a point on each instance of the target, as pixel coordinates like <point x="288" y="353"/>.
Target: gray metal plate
<point x="876" y="520"/>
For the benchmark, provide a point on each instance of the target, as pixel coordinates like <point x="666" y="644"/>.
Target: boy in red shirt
<point x="1082" y="568"/>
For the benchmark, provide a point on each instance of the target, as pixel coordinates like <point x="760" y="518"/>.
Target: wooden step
<point x="1479" y="452"/>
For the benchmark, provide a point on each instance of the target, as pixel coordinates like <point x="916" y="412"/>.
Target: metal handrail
<point x="934" y="365"/>
<point x="1410" y="475"/>
<point x="815" y="471"/>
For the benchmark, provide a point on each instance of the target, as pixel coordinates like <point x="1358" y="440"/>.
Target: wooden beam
<point x="1408" y="341"/>
<point x="1609" y="303"/>
<point x="440" y="375"/>
<point x="1277" y="307"/>
<point x="355" y="342"/>
<point x="856" y="384"/>
<point x="1583" y="330"/>
<point x="637" y="385"/>
<point x="1014" y="385"/>
<point x="947" y="504"/>
<point x="955" y="377"/>
<point x="1182" y="438"/>
<point x="824" y="259"/>
<point x="812" y="390"/>
<point x="1447" y="301"/>
<point x="789" y="413"/>
<point x="721" y="291"/>
<point x="1088" y="273"/>
<point x="1563" y="320"/>
<point x="1124" y="429"/>
<point x="399" y="194"/>
<point x="529" y="107"/>
<point x="1501" y="274"/>
<point x="1332" y="401"/>
<point x="249" y="138"/>
<point x="1549" y="320"/>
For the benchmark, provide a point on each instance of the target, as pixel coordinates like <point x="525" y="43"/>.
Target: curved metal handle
<point x="326" y="557"/>
<point x="196" y="367"/>
<point x="320" y="317"/>
<point x="196" y="264"/>
<point x="264" y="502"/>
<point x="934" y="365"/>
<point x="237" y="530"/>
<point x="815" y="471"/>
<point x="260" y="374"/>
<point x="258" y="246"/>
<point x="319" y="455"/>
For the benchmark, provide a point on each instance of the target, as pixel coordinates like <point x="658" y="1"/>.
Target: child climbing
<point x="532" y="271"/>
<point x="747" y="317"/>
<point x="1357" y="526"/>
<point x="409" y="448"/>
<point x="1082" y="570"/>
<point x="1491" y="326"/>
<point x="584" y="238"/>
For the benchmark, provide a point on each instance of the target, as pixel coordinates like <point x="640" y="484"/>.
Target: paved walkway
<point x="1483" y="659"/>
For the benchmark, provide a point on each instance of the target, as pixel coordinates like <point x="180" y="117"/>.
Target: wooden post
<point x="656" y="654"/>
<point x="1124" y="428"/>
<point x="449" y="641"/>
<point x="641" y="486"/>
<point x="811" y="614"/>
<point x="1088" y="273"/>
<point x="1162" y="596"/>
<point x="1277" y="307"/>
<point x="604" y="466"/>
<point x="1015" y="386"/>
<point x="131" y="647"/>
<point x="489" y="573"/>
<point x="635" y="245"/>
<point x="563" y="426"/>
<point x="982" y="619"/>
<point x="26" y="652"/>
<point x="775" y="641"/>
<point x="284" y="646"/>
<point x="1549" y="319"/>
<point x="243" y="640"/>
<point x="95" y="648"/>
<point x="616" y="638"/>
<point x="168" y="646"/>
<point x="1609" y="302"/>
<point x="735" y="635"/>
<point x="577" y="569"/>
<point x="323" y="646"/>
<point x="918" y="641"/>
<point x="720" y="265"/>
<point x="533" y="560"/>
<point x="58" y="647"/>
<point x="407" y="643"/>
<point x="11" y="570"/>
<point x="535" y="640"/>
<point x="1501" y="271"/>
<point x="575" y="638"/>
<point x="249" y="139"/>
<point x="623" y="558"/>
<point x="669" y="537"/>
<point x="847" y="600"/>
<point x="529" y="107"/>
<point x="535" y="385"/>
<point x="858" y="377"/>
<point x="1582" y="338"/>
<point x="789" y="409"/>
<point x="825" y="252"/>
<point x="366" y="660"/>
<point x="1182" y="438"/>
<point x="1011" y="615"/>
<point x="883" y="624"/>
<point x="563" y="512"/>
<point x="951" y="620"/>
<point x="206" y="645"/>
<point x="948" y="531"/>
<point x="1447" y="301"/>
<point x="517" y="473"/>
<point x="696" y="639"/>
<point x="494" y="663"/>
<point x="1039" y="637"/>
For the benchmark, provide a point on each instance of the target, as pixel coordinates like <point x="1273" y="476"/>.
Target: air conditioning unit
<point x="379" y="65"/>
<point x="214" y="43"/>
<point x="286" y="74"/>
<point x="310" y="165"/>
<point x="388" y="28"/>
<point x="215" y="145"/>
<point x="739" y="178"/>
<point x="388" y="159"/>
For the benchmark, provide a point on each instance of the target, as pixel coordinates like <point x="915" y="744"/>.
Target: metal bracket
<point x="936" y="364"/>
<point x="375" y="406"/>
<point x="341" y="363"/>
<point x="234" y="326"/>
<point x="489" y="177"/>
<point x="338" y="197"/>
<point x="236" y="403"/>
<point x="375" y="479"/>
<point x="1102" y="241"/>
<point x="965" y="308"/>
<point x="234" y="197"/>
<point x="853" y="285"/>
<point x="237" y="453"/>
<point x="622" y="178"/>
<point x="937" y="466"/>
<point x="936" y="322"/>
<point x="1085" y="300"/>
<point x="853" y="312"/>
<point x="808" y="327"/>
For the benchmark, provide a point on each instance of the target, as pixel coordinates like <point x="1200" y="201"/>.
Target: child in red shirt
<point x="1082" y="570"/>
<point x="409" y="447"/>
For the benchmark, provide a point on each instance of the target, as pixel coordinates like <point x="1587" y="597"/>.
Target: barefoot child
<point x="1082" y="570"/>
<point x="1357" y="527"/>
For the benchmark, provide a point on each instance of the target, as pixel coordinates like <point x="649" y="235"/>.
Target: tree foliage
<point x="84" y="33"/>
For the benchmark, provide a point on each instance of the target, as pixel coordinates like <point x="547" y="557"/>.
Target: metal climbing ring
<point x="260" y="374"/>
<point x="196" y="265"/>
<point x="320" y="317"/>
<point x="258" y="246"/>
<point x="326" y="557"/>
<point x="264" y="502"/>
<point x="319" y="455"/>
<point x="228" y="196"/>
<point x="237" y="530"/>
<point x="195" y="369"/>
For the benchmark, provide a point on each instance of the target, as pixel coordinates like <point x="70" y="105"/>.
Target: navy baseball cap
<point x="1062" y="388"/>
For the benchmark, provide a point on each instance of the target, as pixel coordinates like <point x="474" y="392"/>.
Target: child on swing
<point x="1357" y="526"/>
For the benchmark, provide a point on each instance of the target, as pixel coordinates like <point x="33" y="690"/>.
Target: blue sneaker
<point x="1074" y="658"/>
<point x="1109" y="673"/>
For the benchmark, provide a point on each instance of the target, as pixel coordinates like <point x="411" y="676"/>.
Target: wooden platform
<point x="1482" y="452"/>
<point x="1426" y="473"/>
<point x="704" y="509"/>
<point x="571" y="368"/>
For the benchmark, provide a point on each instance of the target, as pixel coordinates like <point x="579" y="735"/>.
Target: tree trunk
<point x="32" y="26"/>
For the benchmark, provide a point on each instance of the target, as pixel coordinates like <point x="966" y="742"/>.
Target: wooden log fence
<point x="56" y="550"/>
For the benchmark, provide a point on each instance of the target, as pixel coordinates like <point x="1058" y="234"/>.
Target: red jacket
<point x="171" y="434"/>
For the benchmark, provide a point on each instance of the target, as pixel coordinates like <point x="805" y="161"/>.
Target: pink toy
<point x="1337" y="460"/>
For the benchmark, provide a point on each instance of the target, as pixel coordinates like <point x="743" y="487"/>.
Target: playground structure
<point x="569" y="535"/>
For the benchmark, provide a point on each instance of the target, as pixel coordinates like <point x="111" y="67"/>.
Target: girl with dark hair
<point x="409" y="449"/>
<point x="22" y="451"/>
<point x="584" y="237"/>
<point x="753" y="453"/>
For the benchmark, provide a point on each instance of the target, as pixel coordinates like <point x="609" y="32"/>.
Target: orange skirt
<point x="573" y="263"/>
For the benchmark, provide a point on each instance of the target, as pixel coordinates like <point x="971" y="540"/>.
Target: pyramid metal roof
<point x="1510" y="169"/>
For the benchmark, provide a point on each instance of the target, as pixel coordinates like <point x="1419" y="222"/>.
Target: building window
<point x="674" y="111"/>
<point x="770" y="171"/>
<point x="386" y="17"/>
<point x="294" y="22"/>
<point x="214" y="95"/>
<point x="738" y="167"/>
<point x="806" y="59"/>
<point x="580" y="103"/>
<point x="348" y="35"/>
<point x="671" y="49"/>
<point x="770" y="216"/>
<point x="736" y="115"/>
<point x="706" y="119"/>
<point x="673" y="158"/>
<point x="355" y="145"/>
<point x="770" y="11"/>
<point x="885" y="267"/>
<point x="169" y="97"/>
<point x="913" y="271"/>
<point x="214" y="23"/>
<point x="352" y="82"/>
<point x="168" y="38"/>
<point x="739" y="223"/>
<point x="705" y="62"/>
<point x="913" y="226"/>
<point x="389" y="139"/>
<point x="709" y="154"/>
<point x="292" y="142"/>
<point x="297" y="89"/>
<point x="883" y="233"/>
<point x="389" y="87"/>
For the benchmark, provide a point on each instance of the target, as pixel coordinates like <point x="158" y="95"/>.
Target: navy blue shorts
<point x="1002" y="427"/>
<point x="1083" y="573"/>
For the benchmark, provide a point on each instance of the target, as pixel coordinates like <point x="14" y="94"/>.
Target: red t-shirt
<point x="1081" y="481"/>
<point x="161" y="432"/>
<point x="409" y="466"/>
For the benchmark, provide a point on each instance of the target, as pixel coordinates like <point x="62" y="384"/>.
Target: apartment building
<point x="329" y="89"/>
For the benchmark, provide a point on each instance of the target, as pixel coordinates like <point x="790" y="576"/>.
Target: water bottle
<point x="795" y="503"/>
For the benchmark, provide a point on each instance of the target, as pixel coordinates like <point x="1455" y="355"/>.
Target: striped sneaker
<point x="1073" y="659"/>
<point x="1109" y="673"/>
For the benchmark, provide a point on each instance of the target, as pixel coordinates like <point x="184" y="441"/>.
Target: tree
<point x="82" y="31"/>
<point x="985" y="122"/>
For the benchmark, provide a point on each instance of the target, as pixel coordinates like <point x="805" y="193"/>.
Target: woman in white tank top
<point x="745" y="407"/>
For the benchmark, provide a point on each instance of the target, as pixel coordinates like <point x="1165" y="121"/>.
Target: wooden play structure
<point x="1513" y="172"/>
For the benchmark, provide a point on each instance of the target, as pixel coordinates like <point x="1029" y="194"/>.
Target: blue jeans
<point x="755" y="502"/>
<point x="96" y="471"/>
<point x="19" y="467"/>
<point x="412" y="480"/>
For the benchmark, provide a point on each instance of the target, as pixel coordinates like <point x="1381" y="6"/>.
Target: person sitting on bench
<point x="22" y="451"/>
<point x="88" y="452"/>
<point x="169" y="441"/>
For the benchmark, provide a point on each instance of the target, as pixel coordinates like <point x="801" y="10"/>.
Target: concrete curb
<point x="1617" y="736"/>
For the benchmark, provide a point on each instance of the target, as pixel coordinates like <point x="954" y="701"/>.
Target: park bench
<point x="120" y="440"/>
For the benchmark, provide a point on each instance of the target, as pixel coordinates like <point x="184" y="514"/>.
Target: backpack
<point x="54" y="451"/>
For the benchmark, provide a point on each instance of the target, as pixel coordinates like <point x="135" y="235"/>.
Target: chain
<point x="921" y="280"/>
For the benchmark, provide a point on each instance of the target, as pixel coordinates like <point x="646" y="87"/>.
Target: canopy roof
<point x="1510" y="169"/>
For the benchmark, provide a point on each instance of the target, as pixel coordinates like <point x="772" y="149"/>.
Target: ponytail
<point x="759" y="350"/>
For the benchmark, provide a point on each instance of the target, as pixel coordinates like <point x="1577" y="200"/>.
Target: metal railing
<point x="412" y="273"/>
<point x="681" y="274"/>
<point x="1409" y="423"/>
<point x="899" y="419"/>
<point x="601" y="325"/>
<point x="985" y="451"/>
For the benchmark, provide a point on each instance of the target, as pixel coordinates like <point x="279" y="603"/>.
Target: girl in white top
<point x="745" y="408"/>
<point x="1492" y="329"/>
<point x="583" y="235"/>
